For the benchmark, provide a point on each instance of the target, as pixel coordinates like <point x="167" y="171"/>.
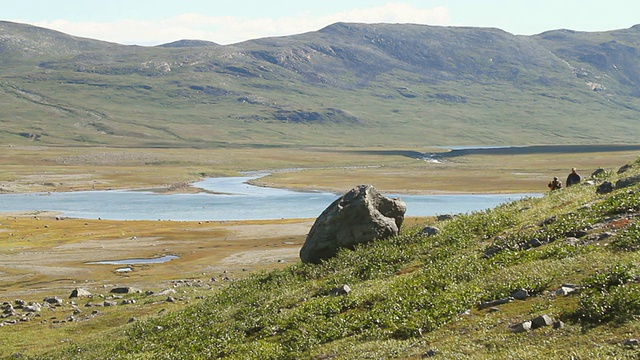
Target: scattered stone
<point x="628" y="181"/>
<point x="444" y="217"/>
<point x="534" y="243"/>
<point x="521" y="327"/>
<point x="166" y="292"/>
<point x="53" y="300"/>
<point x="157" y="328"/>
<point x="430" y="353"/>
<point x="170" y="299"/>
<point x="605" y="188"/>
<point x="558" y="325"/>
<point x="520" y="294"/>
<point x="492" y="303"/>
<point x="494" y="309"/>
<point x="430" y="231"/>
<point x="109" y="303"/>
<point x="599" y="172"/>
<point x="340" y="290"/>
<point x="125" y="290"/>
<point x="35" y="307"/>
<point x="623" y="169"/>
<point x="358" y="217"/>
<point x="566" y="289"/>
<point x="631" y="342"/>
<point x="541" y="321"/>
<point x="133" y="319"/>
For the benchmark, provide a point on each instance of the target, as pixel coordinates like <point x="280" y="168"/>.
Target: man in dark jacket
<point x="573" y="178"/>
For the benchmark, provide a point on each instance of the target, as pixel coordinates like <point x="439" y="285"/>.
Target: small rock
<point x="558" y="325"/>
<point x="605" y="188"/>
<point x="631" y="342"/>
<point x="125" y="290"/>
<point x="340" y="290"/>
<point x="430" y="353"/>
<point x="522" y="327"/>
<point x="444" y="217"/>
<point x="492" y="303"/>
<point x="541" y="321"/>
<point x="520" y="294"/>
<point x="430" y="231"/>
<point x="53" y="300"/>
<point x="565" y="290"/>
<point x="78" y="292"/>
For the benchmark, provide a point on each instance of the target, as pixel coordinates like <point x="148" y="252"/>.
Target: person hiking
<point x="555" y="184"/>
<point x="573" y="178"/>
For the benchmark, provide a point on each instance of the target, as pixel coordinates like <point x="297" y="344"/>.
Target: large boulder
<point x="359" y="216"/>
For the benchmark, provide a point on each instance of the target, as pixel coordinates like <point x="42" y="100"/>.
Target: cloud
<point x="228" y="30"/>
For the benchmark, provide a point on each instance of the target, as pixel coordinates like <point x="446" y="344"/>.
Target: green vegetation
<point x="411" y="293"/>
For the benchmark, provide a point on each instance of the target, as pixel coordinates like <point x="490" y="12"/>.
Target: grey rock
<point x="520" y="294"/>
<point x="358" y="217"/>
<point x="166" y="292"/>
<point x="35" y="307"/>
<point x="78" y="292"/>
<point x="430" y="231"/>
<point x="125" y="290"/>
<point x="109" y="303"/>
<point x="628" y="181"/>
<point x="430" y="353"/>
<point x="521" y="327"/>
<point x="541" y="321"/>
<point x="533" y="243"/>
<point x="566" y="289"/>
<point x="340" y="290"/>
<point x="605" y="188"/>
<point x="53" y="300"/>
<point x="558" y="325"/>
<point x="444" y="217"/>
<point x="493" y="303"/>
<point x="631" y="342"/>
<point x="599" y="172"/>
<point x="623" y="169"/>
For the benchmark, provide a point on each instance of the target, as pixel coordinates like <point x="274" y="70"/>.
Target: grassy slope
<point x="409" y="293"/>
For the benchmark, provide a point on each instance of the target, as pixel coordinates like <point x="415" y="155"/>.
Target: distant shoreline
<point x="533" y="149"/>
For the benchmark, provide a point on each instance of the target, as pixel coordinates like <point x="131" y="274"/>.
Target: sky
<point x="154" y="22"/>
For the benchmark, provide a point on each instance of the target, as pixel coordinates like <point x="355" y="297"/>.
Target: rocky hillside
<point x="555" y="277"/>
<point x="346" y="84"/>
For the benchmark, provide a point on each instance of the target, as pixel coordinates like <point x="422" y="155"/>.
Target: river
<point x="234" y="199"/>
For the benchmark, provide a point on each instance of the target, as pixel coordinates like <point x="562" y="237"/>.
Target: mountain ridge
<point x="417" y="84"/>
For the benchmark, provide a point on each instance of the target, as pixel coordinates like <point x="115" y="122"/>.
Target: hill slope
<point x="347" y="84"/>
<point x="571" y="258"/>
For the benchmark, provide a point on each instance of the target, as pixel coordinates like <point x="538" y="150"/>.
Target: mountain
<point x="347" y="84"/>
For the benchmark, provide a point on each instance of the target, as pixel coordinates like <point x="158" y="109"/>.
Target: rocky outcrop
<point x="358" y="217"/>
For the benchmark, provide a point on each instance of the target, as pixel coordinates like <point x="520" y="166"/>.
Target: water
<point x="234" y="200"/>
<point x="157" y="260"/>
